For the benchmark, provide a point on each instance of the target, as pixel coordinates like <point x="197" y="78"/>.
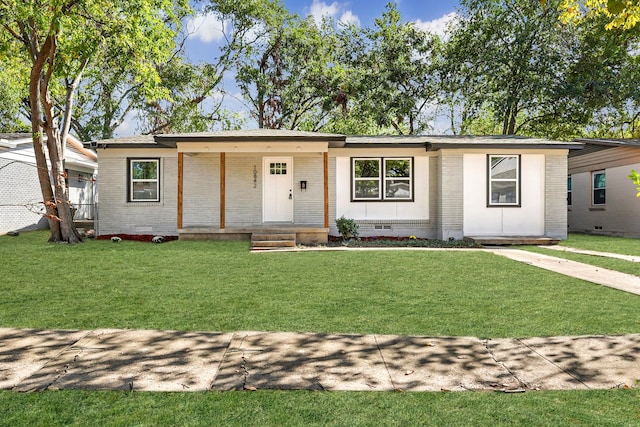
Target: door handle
<point x="290" y="195"/>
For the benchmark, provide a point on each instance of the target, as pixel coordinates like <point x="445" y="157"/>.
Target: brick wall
<point x="555" y="210"/>
<point x="117" y="215"/>
<point x="201" y="191"/>
<point x="450" y="196"/>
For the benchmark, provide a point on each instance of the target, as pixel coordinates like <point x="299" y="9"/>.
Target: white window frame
<point x="155" y="180"/>
<point x="491" y="180"/>
<point x="594" y="189"/>
<point x="382" y="179"/>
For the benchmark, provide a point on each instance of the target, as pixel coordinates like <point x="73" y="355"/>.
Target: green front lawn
<point x="220" y="286"/>
<point x="302" y="408"/>
<point x="619" y="245"/>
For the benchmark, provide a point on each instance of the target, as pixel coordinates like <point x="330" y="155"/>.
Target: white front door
<point x="277" y="195"/>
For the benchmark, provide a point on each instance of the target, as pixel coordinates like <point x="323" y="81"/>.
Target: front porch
<point x="304" y="234"/>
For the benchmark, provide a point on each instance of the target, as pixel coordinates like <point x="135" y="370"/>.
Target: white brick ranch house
<point x="230" y="184"/>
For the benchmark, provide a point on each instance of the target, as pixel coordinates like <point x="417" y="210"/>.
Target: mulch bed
<point x="136" y="237"/>
<point x="386" y="241"/>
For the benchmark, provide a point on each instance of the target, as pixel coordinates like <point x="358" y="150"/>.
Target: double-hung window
<point x="599" y="180"/>
<point x="144" y="180"/>
<point x="504" y="180"/>
<point x="382" y="179"/>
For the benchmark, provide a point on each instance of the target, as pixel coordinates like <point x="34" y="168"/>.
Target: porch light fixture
<point x="303" y="185"/>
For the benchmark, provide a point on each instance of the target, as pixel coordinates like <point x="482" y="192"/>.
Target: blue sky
<point x="431" y="15"/>
<point x="367" y="10"/>
<point x="206" y="36"/>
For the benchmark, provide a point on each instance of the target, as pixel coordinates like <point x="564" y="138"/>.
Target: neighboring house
<point x="224" y="185"/>
<point x="601" y="197"/>
<point x="21" y="206"/>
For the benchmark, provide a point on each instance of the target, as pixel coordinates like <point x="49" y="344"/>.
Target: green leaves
<point x="616" y="7"/>
<point x="635" y="178"/>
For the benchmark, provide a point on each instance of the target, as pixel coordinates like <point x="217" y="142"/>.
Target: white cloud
<point x="320" y="9"/>
<point x="128" y="125"/>
<point x="206" y="28"/>
<point x="348" y="18"/>
<point x="437" y="26"/>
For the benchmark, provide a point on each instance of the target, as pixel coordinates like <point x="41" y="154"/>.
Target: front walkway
<point x="630" y="258"/>
<point x="590" y="273"/>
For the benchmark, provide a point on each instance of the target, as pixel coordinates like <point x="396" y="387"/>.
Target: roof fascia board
<point x="485" y="146"/>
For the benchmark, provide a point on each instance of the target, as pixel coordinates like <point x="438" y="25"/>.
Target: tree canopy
<point x="621" y="14"/>
<point x="55" y="42"/>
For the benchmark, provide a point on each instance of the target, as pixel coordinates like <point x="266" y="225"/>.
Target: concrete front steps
<point x="272" y="241"/>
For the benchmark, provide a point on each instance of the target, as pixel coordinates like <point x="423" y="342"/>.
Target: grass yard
<point x="220" y="286"/>
<point x="619" y="245"/>
<point x="302" y="408"/>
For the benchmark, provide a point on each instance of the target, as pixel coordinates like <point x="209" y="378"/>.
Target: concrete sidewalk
<point x="150" y="360"/>
<point x="590" y="273"/>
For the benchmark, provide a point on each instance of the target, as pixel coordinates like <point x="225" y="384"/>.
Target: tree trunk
<point x="56" y="200"/>
<point x="38" y="149"/>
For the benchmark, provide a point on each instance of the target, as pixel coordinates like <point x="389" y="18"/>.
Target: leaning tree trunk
<point x="56" y="200"/>
<point x="39" y="152"/>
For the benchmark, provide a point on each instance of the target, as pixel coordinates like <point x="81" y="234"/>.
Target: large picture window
<point x="379" y="178"/>
<point x="599" y="180"/>
<point x="504" y="180"/>
<point x="144" y="180"/>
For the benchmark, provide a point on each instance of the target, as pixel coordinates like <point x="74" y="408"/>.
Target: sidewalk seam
<point x="521" y="383"/>
<point x="386" y="367"/>
<point x="222" y="359"/>
<point x="55" y="357"/>
<point x="553" y="363"/>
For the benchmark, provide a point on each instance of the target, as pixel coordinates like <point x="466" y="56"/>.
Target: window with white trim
<point x="144" y="180"/>
<point x="382" y="179"/>
<point x="504" y="180"/>
<point x="599" y="193"/>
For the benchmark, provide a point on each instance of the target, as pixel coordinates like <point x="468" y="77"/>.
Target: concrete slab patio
<point x="150" y="360"/>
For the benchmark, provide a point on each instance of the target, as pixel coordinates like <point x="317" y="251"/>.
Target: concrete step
<point x="273" y="236"/>
<point x="272" y="241"/>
